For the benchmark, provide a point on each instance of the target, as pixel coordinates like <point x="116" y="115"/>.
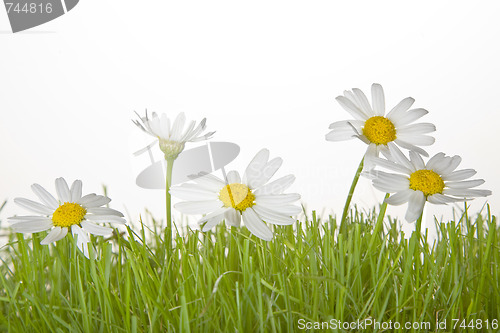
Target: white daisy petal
<point x="86" y="198"/>
<point x="440" y="199"/>
<point x="164" y="126"/>
<point x="33" y="206"/>
<point x="370" y="155"/>
<point x="76" y="190"/>
<point x="436" y="159"/>
<point x="62" y="190"/>
<point x="363" y="139"/>
<point x="194" y="134"/>
<point x="31" y="226"/>
<point x="347" y="125"/>
<point x="194" y="194"/>
<point x="210" y="182"/>
<point x="399" y="198"/>
<point x="219" y="212"/>
<point x="233" y="218"/>
<point x="415" y="206"/>
<point x="385" y="151"/>
<point x="212" y="223"/>
<point x="378" y="99"/>
<point x="466" y="193"/>
<point x="198" y="207"/>
<point x="465" y="184"/>
<point x="362" y="101"/>
<point x="440" y="164"/>
<point x="105" y="218"/>
<point x="280" y="199"/>
<point x="409" y="117"/>
<point x="272" y="217"/>
<point x="391" y="165"/>
<point x="255" y="225"/>
<point x="392" y="178"/>
<point x="343" y="135"/>
<point x="203" y="137"/>
<point x="288" y="210"/>
<point x="350" y="107"/>
<point x="454" y="163"/>
<point x="188" y="131"/>
<point x="265" y="173"/>
<point x="350" y="96"/>
<point x="104" y="211"/>
<point x="177" y="127"/>
<point x="410" y="147"/>
<point x="54" y="235"/>
<point x="417" y="160"/>
<point x="15" y="219"/>
<point x="276" y="187"/>
<point x="154" y="125"/>
<point x="400" y="158"/>
<point x="82" y="239"/>
<point x="44" y="196"/>
<point x="62" y="234"/>
<point x="255" y="166"/>
<point x="421" y="140"/>
<point x="97" y="201"/>
<point x="399" y="110"/>
<point x="389" y="187"/>
<point x="95" y="229"/>
<point x="233" y="177"/>
<point x="413" y="129"/>
<point x="459" y="175"/>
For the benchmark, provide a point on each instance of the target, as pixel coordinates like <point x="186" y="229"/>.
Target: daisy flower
<point x="436" y="181"/>
<point x="171" y="138"/>
<point x="372" y="126"/>
<point x="251" y="198"/>
<point x="69" y="211"/>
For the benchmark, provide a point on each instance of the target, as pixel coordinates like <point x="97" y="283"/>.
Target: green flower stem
<point x="418" y="226"/>
<point x="343" y="221"/>
<point x="168" y="183"/>
<point x="380" y="222"/>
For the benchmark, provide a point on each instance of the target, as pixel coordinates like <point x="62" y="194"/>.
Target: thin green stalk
<point x="418" y="226"/>
<point x="380" y="222"/>
<point x="168" y="183"/>
<point x="349" y="197"/>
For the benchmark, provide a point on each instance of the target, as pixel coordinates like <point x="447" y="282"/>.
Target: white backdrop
<point x="264" y="73"/>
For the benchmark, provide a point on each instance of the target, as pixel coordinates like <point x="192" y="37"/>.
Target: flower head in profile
<point x="252" y="198"/>
<point x="378" y="130"/>
<point x="416" y="182"/>
<point x="171" y="138"/>
<point x="70" y="211"/>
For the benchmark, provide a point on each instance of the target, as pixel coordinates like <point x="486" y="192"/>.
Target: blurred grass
<point x="228" y="280"/>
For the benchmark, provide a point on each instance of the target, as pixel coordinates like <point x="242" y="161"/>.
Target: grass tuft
<point x="228" y="280"/>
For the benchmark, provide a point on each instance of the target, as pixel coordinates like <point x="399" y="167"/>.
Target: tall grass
<point x="228" y="280"/>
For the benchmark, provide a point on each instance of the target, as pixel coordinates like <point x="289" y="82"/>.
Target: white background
<point x="264" y="73"/>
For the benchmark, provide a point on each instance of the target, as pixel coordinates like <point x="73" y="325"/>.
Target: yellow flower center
<point x="68" y="214"/>
<point x="379" y="130"/>
<point x="238" y="196"/>
<point x="426" y="181"/>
